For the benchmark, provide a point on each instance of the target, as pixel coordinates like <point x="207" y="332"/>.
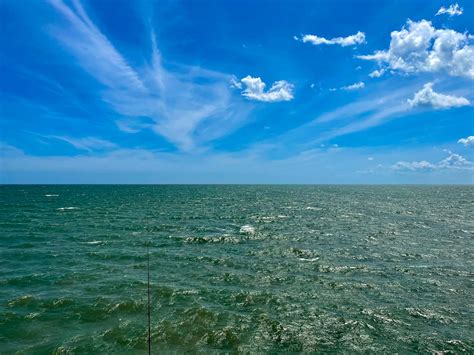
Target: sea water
<point x="237" y="269"/>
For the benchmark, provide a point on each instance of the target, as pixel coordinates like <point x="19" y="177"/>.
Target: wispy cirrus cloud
<point x="86" y="143"/>
<point x="384" y="105"/>
<point x="352" y="40"/>
<point x="359" y="115"/>
<point x="428" y="97"/>
<point x="189" y="106"/>
<point x="7" y="150"/>
<point x="96" y="53"/>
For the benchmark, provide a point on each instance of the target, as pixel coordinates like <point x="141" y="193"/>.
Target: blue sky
<point x="236" y="91"/>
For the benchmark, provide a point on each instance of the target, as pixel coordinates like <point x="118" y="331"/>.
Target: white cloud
<point x="7" y="150"/>
<point x="352" y="40"/>
<point x="452" y="10"/>
<point x="428" y="97"/>
<point x="86" y="143"/>
<point x="414" y="165"/>
<point x="189" y="106"/>
<point x="419" y="47"/>
<point x="377" y="73"/>
<point x="132" y="125"/>
<point x="453" y="161"/>
<point x="355" y="86"/>
<point x="234" y="84"/>
<point x="255" y="90"/>
<point x="152" y="166"/>
<point x="467" y="142"/>
<point x="356" y="116"/>
<point x="352" y="87"/>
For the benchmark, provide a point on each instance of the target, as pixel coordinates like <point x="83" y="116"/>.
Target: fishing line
<point x="149" y="306"/>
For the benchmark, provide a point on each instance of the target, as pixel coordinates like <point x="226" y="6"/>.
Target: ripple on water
<point x="237" y="269"/>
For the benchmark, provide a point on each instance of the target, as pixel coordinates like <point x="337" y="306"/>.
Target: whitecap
<point x="51" y="195"/>
<point x="312" y="259"/>
<point x="67" y="208"/>
<point x="313" y="208"/>
<point x="32" y="315"/>
<point x="247" y="229"/>
<point x="95" y="242"/>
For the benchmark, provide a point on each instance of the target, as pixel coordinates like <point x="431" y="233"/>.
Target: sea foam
<point x="247" y="229"/>
<point x="67" y="208"/>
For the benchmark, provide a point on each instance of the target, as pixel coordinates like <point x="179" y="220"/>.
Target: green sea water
<point x="237" y="269"/>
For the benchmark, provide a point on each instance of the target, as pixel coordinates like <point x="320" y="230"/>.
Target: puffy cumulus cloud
<point x="419" y="47"/>
<point x="255" y="90"/>
<point x="351" y="40"/>
<point x="355" y="86"/>
<point x="377" y="73"/>
<point x="352" y="87"/>
<point x="428" y="97"/>
<point x="453" y="161"/>
<point x="452" y="10"/>
<point x="467" y="142"/>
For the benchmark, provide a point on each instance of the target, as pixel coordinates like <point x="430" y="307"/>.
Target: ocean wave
<point x="254" y="298"/>
<point x="430" y="314"/>
<point x="127" y="306"/>
<point x="343" y="269"/>
<point x="20" y="301"/>
<point x="33" y="315"/>
<point x="271" y="218"/>
<point x="32" y="279"/>
<point x="311" y="259"/>
<point x="382" y="316"/>
<point x="304" y="254"/>
<point x="247" y="229"/>
<point x="218" y="239"/>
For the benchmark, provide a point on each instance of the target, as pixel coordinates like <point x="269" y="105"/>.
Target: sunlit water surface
<point x="237" y="268"/>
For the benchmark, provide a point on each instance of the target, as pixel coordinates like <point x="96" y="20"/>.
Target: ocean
<point x="237" y="269"/>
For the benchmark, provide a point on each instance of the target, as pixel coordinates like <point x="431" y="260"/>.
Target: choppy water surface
<point x="237" y="268"/>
